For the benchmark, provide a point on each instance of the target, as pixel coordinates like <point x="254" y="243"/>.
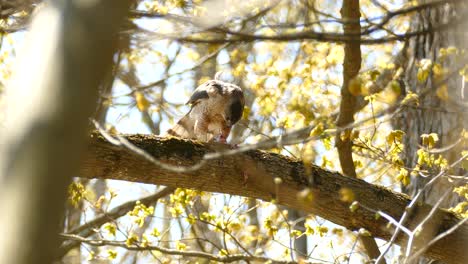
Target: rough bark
<point x="444" y="116"/>
<point x="226" y="175"/>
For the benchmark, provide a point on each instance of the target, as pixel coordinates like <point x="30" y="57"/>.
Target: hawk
<point x="215" y="107"/>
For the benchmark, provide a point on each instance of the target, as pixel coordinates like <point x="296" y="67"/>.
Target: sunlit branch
<point x="437" y="238"/>
<point x="309" y="35"/>
<point x="413" y="204"/>
<point x="86" y="229"/>
<point x="225" y="175"/>
<point x="197" y="254"/>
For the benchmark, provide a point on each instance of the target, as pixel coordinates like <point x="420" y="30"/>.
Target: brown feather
<point x="184" y="128"/>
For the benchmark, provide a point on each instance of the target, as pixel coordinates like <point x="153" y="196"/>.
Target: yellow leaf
<point x="346" y="195"/>
<point x="452" y="50"/>
<point x="395" y="136"/>
<point x="374" y="74"/>
<point x="91" y="255"/>
<point x="424" y="69"/>
<point x="131" y="240"/>
<point x="235" y="225"/>
<point x="337" y="231"/>
<point x="442" y="92"/>
<point x="309" y="229"/>
<point x="422" y="75"/>
<point x="141" y="101"/>
<point x="296" y="233"/>
<point x="403" y="177"/>
<point x="155" y="232"/>
<point x="355" y="86"/>
<point x="364" y="232"/>
<point x="111" y="254"/>
<point x="110" y="228"/>
<point x="354" y="206"/>
<point x="191" y="219"/>
<point x="305" y="195"/>
<point x="429" y="140"/>
<point x="410" y="98"/>
<point x="322" y="230"/>
<point x="317" y="130"/>
<point x="406" y="180"/>
<point x="345" y="135"/>
<point x="437" y="69"/>
<point x="180" y="245"/>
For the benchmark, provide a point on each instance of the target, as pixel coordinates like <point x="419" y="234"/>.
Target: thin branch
<point x="413" y="204"/>
<point x="86" y="229"/>
<point x="185" y="254"/>
<point x="437" y="238"/>
<point x="311" y="35"/>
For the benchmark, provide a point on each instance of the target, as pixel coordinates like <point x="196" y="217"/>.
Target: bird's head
<point x="233" y="112"/>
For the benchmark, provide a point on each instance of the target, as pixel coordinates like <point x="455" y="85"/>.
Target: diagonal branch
<point x="226" y="175"/>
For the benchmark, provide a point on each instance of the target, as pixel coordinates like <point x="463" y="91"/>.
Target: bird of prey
<point x="215" y="107"/>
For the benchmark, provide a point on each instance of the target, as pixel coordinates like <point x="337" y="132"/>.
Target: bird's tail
<point x="184" y="128"/>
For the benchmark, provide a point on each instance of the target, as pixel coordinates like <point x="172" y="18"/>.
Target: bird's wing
<point x="184" y="128"/>
<point x="197" y="96"/>
<point x="208" y="90"/>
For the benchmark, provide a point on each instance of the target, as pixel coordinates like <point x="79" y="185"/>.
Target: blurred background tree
<point x="398" y="65"/>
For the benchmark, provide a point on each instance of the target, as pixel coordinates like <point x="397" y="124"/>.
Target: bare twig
<point x="185" y="254"/>
<point x="85" y="230"/>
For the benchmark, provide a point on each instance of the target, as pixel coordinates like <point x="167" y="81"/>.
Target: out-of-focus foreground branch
<point x="228" y="175"/>
<point x="54" y="91"/>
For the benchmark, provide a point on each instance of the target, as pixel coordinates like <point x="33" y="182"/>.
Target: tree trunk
<point x="438" y="112"/>
<point x="444" y="116"/>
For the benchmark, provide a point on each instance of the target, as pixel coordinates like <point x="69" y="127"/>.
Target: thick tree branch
<point x="226" y="175"/>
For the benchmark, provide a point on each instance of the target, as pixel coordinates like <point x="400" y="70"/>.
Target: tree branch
<point x="351" y="65"/>
<point x="236" y="37"/>
<point x="226" y="175"/>
<point x="86" y="229"/>
<point x="168" y="251"/>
